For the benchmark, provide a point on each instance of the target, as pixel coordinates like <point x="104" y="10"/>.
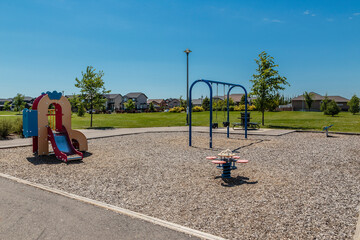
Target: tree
<point x="266" y="83"/>
<point x="7" y="106"/>
<point x="206" y="104"/>
<point x="18" y="102"/>
<point x="129" y="105"/>
<point x="308" y="99"/>
<point x="324" y="103"/>
<point x="332" y="109"/>
<point x="92" y="89"/>
<point x="354" y="105"/>
<point x="183" y="102"/>
<point x="242" y="100"/>
<point x="151" y="107"/>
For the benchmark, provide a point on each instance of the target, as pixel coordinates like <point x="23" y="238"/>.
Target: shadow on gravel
<point x="290" y="127"/>
<point x="232" y="182"/>
<point x="101" y="128"/>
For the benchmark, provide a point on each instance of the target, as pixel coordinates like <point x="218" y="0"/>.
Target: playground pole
<point x="187" y="51"/>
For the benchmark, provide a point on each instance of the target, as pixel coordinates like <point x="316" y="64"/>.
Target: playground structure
<point x="326" y="129"/>
<point x="226" y="162"/>
<point x="54" y="125"/>
<point x="227" y="123"/>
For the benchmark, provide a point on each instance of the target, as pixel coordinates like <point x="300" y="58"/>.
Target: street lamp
<point x="187" y="51"/>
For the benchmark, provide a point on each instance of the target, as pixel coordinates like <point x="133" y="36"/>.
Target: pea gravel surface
<point x="295" y="186"/>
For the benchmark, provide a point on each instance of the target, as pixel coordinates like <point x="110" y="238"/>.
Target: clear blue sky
<point x="139" y="45"/>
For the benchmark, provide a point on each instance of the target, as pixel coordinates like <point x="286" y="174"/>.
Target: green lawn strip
<point x="10" y="113"/>
<point x="344" y="122"/>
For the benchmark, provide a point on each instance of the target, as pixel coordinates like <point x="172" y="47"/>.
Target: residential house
<point x="158" y="103"/>
<point x="113" y="102"/>
<point x="299" y="103"/>
<point x="139" y="99"/>
<point x="172" y="102"/>
<point x="197" y="102"/>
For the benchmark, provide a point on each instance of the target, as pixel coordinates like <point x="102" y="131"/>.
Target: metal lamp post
<point x="187" y="51"/>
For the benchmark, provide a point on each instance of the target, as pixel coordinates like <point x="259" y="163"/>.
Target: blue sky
<point x="139" y="45"/>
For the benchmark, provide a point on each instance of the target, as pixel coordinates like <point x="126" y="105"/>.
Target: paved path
<point x="30" y="213"/>
<point x="100" y="133"/>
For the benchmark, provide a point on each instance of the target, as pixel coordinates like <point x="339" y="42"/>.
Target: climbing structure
<point x="49" y="120"/>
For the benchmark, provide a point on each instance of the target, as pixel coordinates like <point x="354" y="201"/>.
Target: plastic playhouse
<point x="226" y="162"/>
<point x="53" y="125"/>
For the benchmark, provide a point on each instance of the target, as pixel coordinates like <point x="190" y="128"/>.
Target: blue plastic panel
<point x="30" y="123"/>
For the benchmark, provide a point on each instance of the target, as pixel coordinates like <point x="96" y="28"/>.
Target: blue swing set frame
<point x="208" y="83"/>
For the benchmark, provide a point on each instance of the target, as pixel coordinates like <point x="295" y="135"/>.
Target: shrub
<point x="81" y="110"/>
<point x="242" y="108"/>
<point x="17" y="127"/>
<point x="252" y="108"/>
<point x="332" y="108"/>
<point x="354" y="105"/>
<point x="175" y="109"/>
<point x="198" y="109"/>
<point x="5" y="127"/>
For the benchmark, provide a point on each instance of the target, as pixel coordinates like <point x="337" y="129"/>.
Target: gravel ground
<point x="296" y="186"/>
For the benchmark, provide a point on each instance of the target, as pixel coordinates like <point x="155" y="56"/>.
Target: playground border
<point x="120" y="210"/>
<point x="159" y="131"/>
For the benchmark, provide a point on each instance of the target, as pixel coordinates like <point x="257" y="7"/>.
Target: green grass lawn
<point x="345" y="121"/>
<point x="9" y="113"/>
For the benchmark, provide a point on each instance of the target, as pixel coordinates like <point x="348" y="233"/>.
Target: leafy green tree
<point x="129" y="105"/>
<point x="242" y="100"/>
<point x="81" y="109"/>
<point x="206" y="104"/>
<point x="273" y="103"/>
<point x="354" y="105"/>
<point x="324" y="103"/>
<point x="308" y="99"/>
<point x="266" y="83"/>
<point x="332" y="108"/>
<point x="7" y="106"/>
<point x="92" y="89"/>
<point x="183" y="102"/>
<point x="18" y="102"/>
<point x="151" y="107"/>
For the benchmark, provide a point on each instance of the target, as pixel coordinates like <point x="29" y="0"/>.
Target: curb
<point x="120" y="210"/>
<point x="314" y="131"/>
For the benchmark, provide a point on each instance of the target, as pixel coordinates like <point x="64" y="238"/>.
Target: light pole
<point x="187" y="51"/>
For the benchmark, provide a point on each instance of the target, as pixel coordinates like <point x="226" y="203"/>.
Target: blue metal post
<point x="190" y="111"/>
<point x="246" y="119"/>
<point x="228" y="117"/>
<point x="211" y="109"/>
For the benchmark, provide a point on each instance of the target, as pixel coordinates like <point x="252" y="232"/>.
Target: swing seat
<point x="242" y="161"/>
<point x="218" y="162"/>
<point x="226" y="124"/>
<point x="211" y="158"/>
<point x="215" y="125"/>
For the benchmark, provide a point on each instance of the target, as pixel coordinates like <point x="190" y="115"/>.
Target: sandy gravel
<point x="297" y="186"/>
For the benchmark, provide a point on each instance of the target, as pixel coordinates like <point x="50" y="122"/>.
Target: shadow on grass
<point x="232" y="182"/>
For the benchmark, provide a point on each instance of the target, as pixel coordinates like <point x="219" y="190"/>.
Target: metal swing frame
<point x="208" y="83"/>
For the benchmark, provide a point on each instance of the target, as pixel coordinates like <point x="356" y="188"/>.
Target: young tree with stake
<point x="266" y="83"/>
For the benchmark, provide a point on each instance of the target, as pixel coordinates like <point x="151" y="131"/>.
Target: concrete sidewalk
<point x="101" y="133"/>
<point x="27" y="212"/>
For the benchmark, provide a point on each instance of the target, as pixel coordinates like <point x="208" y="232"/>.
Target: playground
<point x="298" y="185"/>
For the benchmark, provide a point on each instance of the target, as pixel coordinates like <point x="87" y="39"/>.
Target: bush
<point x="354" y="105"/>
<point x="332" y="108"/>
<point x="81" y="110"/>
<point x="5" y="127"/>
<point x="198" y="109"/>
<point x="242" y="108"/>
<point x="17" y="127"/>
<point x="175" y="109"/>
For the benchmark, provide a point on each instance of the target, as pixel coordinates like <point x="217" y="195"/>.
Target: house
<point x="3" y="101"/>
<point x="299" y="104"/>
<point x="172" y="102"/>
<point x="197" y="102"/>
<point x="139" y="99"/>
<point x="113" y="102"/>
<point x="28" y="101"/>
<point x="158" y="103"/>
